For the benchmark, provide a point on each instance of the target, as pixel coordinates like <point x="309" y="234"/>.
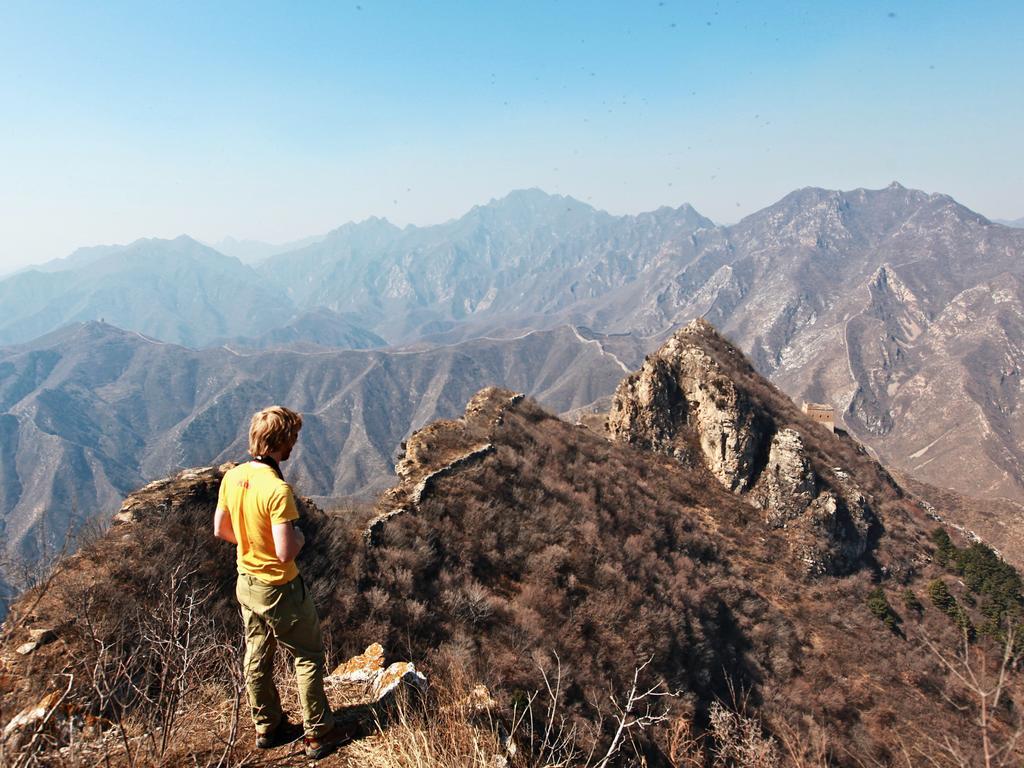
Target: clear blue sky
<point x="274" y="121"/>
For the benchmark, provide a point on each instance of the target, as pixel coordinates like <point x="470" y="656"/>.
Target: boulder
<point x="363" y="680"/>
<point x="46" y="715"/>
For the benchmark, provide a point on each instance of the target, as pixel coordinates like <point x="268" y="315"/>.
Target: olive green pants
<point x="283" y="615"/>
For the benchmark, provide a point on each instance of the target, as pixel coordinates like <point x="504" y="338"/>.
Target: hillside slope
<point x="517" y="545"/>
<point x="900" y="308"/>
<point x="91" y="412"/>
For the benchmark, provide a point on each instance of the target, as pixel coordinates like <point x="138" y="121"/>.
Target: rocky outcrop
<point x="682" y="392"/>
<point x="36" y="638"/>
<point x="689" y="401"/>
<point x="828" y="523"/>
<point x="38" y="720"/>
<point x="364" y="680"/>
<point x="788" y="484"/>
<point x="441" y="449"/>
<point x="182" y="488"/>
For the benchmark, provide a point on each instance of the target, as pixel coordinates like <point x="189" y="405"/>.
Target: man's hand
<point x="288" y="540"/>
<point x="222" y="526"/>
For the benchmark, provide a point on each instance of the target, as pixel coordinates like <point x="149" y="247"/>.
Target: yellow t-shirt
<point x="256" y="498"/>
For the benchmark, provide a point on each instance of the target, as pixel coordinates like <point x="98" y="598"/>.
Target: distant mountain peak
<point x="533" y="198"/>
<point x="838" y="207"/>
<point x="378" y="221"/>
<point x="91" y="254"/>
<point x="81" y="331"/>
<point x="371" y="225"/>
<point x="685" y="216"/>
<point x="162" y="245"/>
<point x="527" y="193"/>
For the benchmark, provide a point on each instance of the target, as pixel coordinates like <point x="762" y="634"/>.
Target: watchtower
<point x="821" y="413"/>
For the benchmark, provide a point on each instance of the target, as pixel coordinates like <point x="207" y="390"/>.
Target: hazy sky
<point x="273" y="121"/>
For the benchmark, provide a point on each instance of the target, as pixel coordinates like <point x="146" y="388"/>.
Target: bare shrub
<point x="146" y="672"/>
<point x="740" y="741"/>
<point x="21" y="573"/>
<point x="556" y="545"/>
<point x="991" y="694"/>
<point x="452" y="729"/>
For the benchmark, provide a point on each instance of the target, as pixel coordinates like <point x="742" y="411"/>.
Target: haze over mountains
<point x="255" y="251"/>
<point x="175" y="290"/>
<point x="510" y="263"/>
<point x="903" y="309"/>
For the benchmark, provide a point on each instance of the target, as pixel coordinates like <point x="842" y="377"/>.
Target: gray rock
<point x="787" y="485"/>
<point x="42" y="635"/>
<point x="684" y="403"/>
<point x="26" y="648"/>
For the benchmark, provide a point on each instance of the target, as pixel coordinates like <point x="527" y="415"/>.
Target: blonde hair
<point x="273" y="428"/>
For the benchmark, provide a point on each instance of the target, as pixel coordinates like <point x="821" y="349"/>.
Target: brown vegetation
<point x="561" y="570"/>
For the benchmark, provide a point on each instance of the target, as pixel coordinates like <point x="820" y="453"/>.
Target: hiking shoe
<point x="284" y="733"/>
<point x="322" y="746"/>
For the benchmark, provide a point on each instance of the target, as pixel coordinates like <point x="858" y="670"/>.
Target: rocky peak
<point x="678" y="388"/>
<point x="787" y="485"/>
<point x="439" y="449"/>
<point x="685" y="218"/>
<point x="694" y="399"/>
<point x="895" y="303"/>
<point x="823" y="218"/>
<point x="529" y="208"/>
<point x="187" y="486"/>
<point x="369" y="231"/>
<point x="438" y="444"/>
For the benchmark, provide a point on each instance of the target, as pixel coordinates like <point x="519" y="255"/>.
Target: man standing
<point x="256" y="511"/>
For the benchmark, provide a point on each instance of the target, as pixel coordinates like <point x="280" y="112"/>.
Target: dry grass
<point x="416" y="736"/>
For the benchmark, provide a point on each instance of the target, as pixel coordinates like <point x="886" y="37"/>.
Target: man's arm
<point x="288" y="540"/>
<point x="222" y="526"/>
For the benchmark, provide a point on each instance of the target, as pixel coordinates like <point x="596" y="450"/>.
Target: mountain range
<point x="177" y="290"/>
<point x="511" y="263"/>
<point x="92" y="412"/>
<point x="513" y="257"/>
<point x="900" y="308"/>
